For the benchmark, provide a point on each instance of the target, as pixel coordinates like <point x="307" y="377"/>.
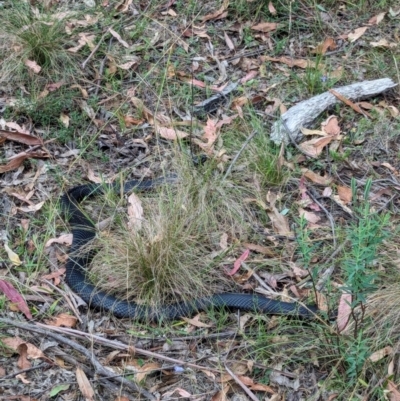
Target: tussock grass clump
<point x="383" y="314"/>
<point x="173" y="256"/>
<point x="27" y="34"/>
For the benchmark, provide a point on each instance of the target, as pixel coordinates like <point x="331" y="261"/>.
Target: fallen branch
<point x="305" y="112"/>
<point x="87" y="352"/>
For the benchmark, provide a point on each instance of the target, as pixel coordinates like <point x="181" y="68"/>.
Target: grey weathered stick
<point x="305" y="112"/>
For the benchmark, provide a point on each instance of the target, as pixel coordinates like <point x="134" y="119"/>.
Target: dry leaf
<point x="262" y="387"/>
<point x="83" y="40"/>
<point x="394" y="394"/>
<point x="238" y="262"/>
<point x="15" y="297"/>
<point x="309" y="216"/>
<point x="84" y="385"/>
<point x="260" y="249"/>
<point x="327" y="192"/>
<point x="64" y="118"/>
<point x="32" y="351"/>
<point x="318" y="179"/>
<point x="210" y="132"/>
<point x="171" y="134"/>
<point x="221" y="395"/>
<point x="219" y="14"/>
<point x="356" y="34"/>
<point x="141" y="371"/>
<point x="250" y="75"/>
<point x="200" y="31"/>
<point x="322" y="302"/>
<point x="376" y="19"/>
<point x="195" y="321"/>
<point x="383" y="43"/>
<point x="14" y="258"/>
<point x="17" y="127"/>
<point x="16" y="160"/>
<point x="394" y="111"/>
<point x="33" y="65"/>
<point x="63" y="319"/>
<point x="23" y="362"/>
<point x="129" y="121"/>
<point x="135" y="212"/>
<point x="342" y="205"/>
<point x="279" y="222"/>
<point x="354" y="106"/>
<point x="271" y="8"/>
<point x="25" y="224"/>
<point x="394" y="12"/>
<point x="265" y="27"/>
<point x="344" y="311"/>
<point x="148" y="114"/>
<point x="43" y="94"/>
<point x="314" y="147"/>
<point x="21" y="138"/>
<point x="309" y="132"/>
<point x="84" y="92"/>
<point x="331" y="126"/>
<point x="328" y="44"/>
<point x="87" y="109"/>
<point x="55" y="275"/>
<point x="345" y="194"/>
<point x="380" y="354"/>
<point x="55" y="85"/>
<point x="291" y="62"/>
<point x="118" y="37"/>
<point x="223" y="241"/>
<point x="229" y="42"/>
<point x="31" y="208"/>
<point x="65" y="239"/>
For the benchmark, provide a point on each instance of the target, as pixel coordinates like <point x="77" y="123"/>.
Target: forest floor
<point x="111" y="91"/>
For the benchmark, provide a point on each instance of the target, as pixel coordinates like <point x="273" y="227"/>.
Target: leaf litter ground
<point x="132" y="78"/>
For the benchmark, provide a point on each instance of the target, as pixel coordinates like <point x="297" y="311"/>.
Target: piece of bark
<point x="305" y="112"/>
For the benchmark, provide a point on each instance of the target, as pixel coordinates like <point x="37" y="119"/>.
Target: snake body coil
<point x="83" y="231"/>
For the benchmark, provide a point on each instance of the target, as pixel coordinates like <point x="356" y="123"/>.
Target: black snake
<point x="83" y="231"/>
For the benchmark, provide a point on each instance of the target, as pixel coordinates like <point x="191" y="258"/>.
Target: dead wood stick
<point x="125" y="347"/>
<point x="83" y="66"/>
<point x="305" y="112"/>
<point x="100" y="369"/>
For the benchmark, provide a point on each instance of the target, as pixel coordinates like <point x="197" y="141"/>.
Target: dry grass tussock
<point x="175" y="254"/>
<point x="28" y="36"/>
<point x="383" y="313"/>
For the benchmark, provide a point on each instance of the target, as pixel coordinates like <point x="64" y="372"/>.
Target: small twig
<point x="101" y="69"/>
<point x="328" y="215"/>
<point x="11" y="375"/>
<point x="293" y="141"/>
<point x="260" y="280"/>
<point x="68" y="299"/>
<point x="336" y="251"/>
<point x="83" y="65"/>
<point x="246" y="142"/>
<point x="125" y="347"/>
<point x="100" y="369"/>
<point x="242" y="385"/>
<point x="204" y="336"/>
<point x="236" y="379"/>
